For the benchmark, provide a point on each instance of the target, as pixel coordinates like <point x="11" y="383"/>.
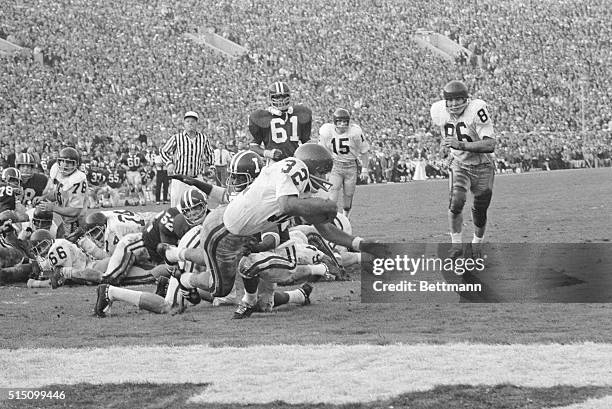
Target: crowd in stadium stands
<point x="106" y="73"/>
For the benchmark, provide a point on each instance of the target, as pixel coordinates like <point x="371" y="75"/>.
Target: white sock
<point x="123" y="294"/>
<point x="456" y="237"/>
<point x="296" y="297"/>
<point x="318" y="269"/>
<point x="250" y="299"/>
<point x="477" y="239"/>
<point x="38" y="283"/>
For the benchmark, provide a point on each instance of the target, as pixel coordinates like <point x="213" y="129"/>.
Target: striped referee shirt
<point x="190" y="155"/>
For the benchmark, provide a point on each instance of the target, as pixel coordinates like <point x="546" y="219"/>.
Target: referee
<point x="187" y="153"/>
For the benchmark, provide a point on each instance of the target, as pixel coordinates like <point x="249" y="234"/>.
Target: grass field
<point x="339" y="351"/>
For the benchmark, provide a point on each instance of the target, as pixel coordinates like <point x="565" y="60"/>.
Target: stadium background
<point x="112" y="72"/>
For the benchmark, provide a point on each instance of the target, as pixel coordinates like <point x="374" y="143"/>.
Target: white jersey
<point x="120" y="223"/>
<point x="472" y="125"/>
<point x="70" y="191"/>
<point x="345" y="147"/>
<point x="66" y="254"/>
<point x="256" y="209"/>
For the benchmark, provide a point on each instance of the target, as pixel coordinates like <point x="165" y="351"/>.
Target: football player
<point x="62" y="260"/>
<point x="10" y="189"/>
<point x="244" y="168"/>
<point x="103" y="231"/>
<point x="66" y="192"/>
<point x="467" y="129"/>
<point x="133" y="162"/>
<point x="115" y="183"/>
<point x="97" y="177"/>
<point x="282" y="191"/>
<point x="349" y="148"/>
<point x="167" y="227"/>
<point x="33" y="183"/>
<point x="163" y="301"/>
<point x="280" y="128"/>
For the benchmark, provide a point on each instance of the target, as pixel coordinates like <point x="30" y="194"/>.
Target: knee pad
<point x="479" y="210"/>
<point x="457" y="200"/>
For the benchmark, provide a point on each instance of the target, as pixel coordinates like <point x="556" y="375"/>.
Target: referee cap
<point x="191" y="114"/>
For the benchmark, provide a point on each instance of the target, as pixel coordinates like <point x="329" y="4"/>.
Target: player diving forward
<point x="282" y="191"/>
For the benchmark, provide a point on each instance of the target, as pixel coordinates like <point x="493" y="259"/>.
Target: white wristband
<point x="181" y="254"/>
<point x="356" y="242"/>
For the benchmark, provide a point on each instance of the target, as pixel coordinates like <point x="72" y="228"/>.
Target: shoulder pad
<point x="326" y="129"/>
<point x="261" y="118"/>
<point x="438" y="110"/>
<point x="303" y="113"/>
<point x="477" y="104"/>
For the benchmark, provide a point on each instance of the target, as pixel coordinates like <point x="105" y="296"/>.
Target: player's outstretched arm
<point x="213" y="192"/>
<point x="308" y="208"/>
<point x="335" y="235"/>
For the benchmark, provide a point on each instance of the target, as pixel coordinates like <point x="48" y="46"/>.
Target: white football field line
<point x="313" y="373"/>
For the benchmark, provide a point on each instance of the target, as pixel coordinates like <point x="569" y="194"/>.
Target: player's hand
<point x="171" y="254"/>
<point x="452" y="142"/>
<point x="36" y="200"/>
<point x="378" y="250"/>
<point x="274" y="154"/>
<point x="365" y="174"/>
<point x="6" y="222"/>
<point x="170" y="170"/>
<point x="46" y="206"/>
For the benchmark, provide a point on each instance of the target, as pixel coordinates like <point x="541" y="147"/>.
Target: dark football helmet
<point x="41" y="241"/>
<point x="243" y="169"/>
<point x="319" y="162"/>
<point x="42" y="220"/>
<point x="342" y="118"/>
<point x="68" y="161"/>
<point x="26" y="164"/>
<point x="12" y="177"/>
<point x="95" y="223"/>
<point x="279" y="96"/>
<point x="193" y="205"/>
<point x="452" y="91"/>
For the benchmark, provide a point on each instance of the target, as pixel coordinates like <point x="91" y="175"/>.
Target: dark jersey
<point x="97" y="176"/>
<point x="116" y="178"/>
<point x="134" y="161"/>
<point x="283" y="132"/>
<point x="166" y="227"/>
<point x="34" y="187"/>
<point x="8" y="197"/>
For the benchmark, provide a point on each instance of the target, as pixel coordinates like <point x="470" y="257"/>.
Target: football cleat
<point x="244" y="310"/>
<point x="103" y="303"/>
<point x="162" y="286"/>
<point x="306" y="289"/>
